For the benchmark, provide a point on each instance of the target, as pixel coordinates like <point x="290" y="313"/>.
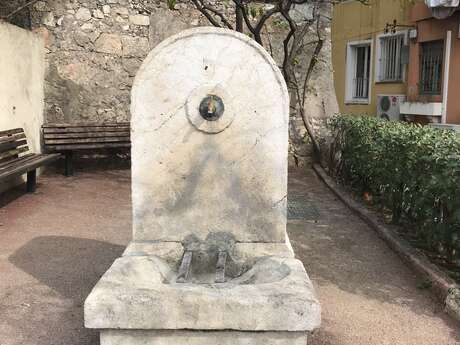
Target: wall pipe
<point x="445" y="89"/>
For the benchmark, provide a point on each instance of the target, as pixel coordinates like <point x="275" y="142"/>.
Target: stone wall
<point x="22" y="68"/>
<point x="94" y="49"/>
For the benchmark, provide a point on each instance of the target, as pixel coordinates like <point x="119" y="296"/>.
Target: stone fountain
<point x="210" y="261"/>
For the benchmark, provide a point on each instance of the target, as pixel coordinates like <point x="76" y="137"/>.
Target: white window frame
<point x="378" y="56"/>
<point x="350" y="70"/>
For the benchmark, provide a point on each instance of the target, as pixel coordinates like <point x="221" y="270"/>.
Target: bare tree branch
<point x="293" y="45"/>
<point x="314" y="58"/>
<point x="200" y="7"/>
<point x="263" y="20"/>
<point x="244" y="12"/>
<point x="19" y="9"/>
<point x="219" y="14"/>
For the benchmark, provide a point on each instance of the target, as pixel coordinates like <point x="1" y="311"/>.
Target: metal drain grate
<point x="300" y="209"/>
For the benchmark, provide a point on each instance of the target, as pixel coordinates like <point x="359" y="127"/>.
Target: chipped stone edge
<point x="445" y="288"/>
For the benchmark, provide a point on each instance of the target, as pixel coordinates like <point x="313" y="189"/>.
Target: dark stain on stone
<point x="66" y="100"/>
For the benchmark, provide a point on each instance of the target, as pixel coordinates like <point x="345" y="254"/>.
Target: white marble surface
<point x="141" y="292"/>
<point x="207" y="187"/>
<point x="202" y="338"/>
<point x="189" y="180"/>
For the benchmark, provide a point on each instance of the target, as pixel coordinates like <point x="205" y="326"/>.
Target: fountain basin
<point x="141" y="292"/>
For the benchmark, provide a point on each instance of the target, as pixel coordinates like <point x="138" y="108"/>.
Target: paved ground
<point x="55" y="245"/>
<point x="368" y="295"/>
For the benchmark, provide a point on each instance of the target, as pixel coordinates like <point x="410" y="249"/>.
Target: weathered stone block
<point x="109" y="44"/>
<point x="233" y="182"/>
<point x="202" y="338"/>
<point x="122" y="11"/>
<point x="139" y="19"/>
<point x="135" y="46"/>
<point x="141" y="292"/>
<point x="83" y="14"/>
<point x="210" y="262"/>
<point x="163" y="23"/>
<point x="48" y="19"/>
<point x="98" y="14"/>
<point x="82" y="39"/>
<point x="131" y="66"/>
<point x="41" y="6"/>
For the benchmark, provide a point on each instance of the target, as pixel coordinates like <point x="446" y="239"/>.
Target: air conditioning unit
<point x="388" y="107"/>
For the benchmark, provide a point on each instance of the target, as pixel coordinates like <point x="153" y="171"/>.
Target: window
<point x="431" y="61"/>
<point x="390" y="58"/>
<point x="358" y="72"/>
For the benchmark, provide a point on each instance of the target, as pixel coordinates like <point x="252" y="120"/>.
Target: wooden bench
<point x="16" y="160"/>
<point x="67" y="138"/>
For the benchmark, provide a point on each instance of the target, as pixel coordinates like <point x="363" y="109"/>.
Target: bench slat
<point x="94" y="124"/>
<point x="7" y="160"/>
<point x="86" y="140"/>
<point x="48" y="136"/>
<point x="12" y="137"/>
<point x="59" y="137"/>
<point x="35" y="162"/>
<point x="11" y="153"/>
<point x="11" y="145"/>
<point x="87" y="146"/>
<point x="83" y="129"/>
<point x="11" y="132"/>
<point x="16" y="161"/>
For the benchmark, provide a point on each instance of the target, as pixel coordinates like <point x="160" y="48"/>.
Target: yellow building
<point x="370" y="52"/>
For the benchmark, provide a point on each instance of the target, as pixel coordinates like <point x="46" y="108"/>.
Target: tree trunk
<point x="239" y="19"/>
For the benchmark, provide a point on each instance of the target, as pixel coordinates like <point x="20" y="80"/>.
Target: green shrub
<point x="411" y="170"/>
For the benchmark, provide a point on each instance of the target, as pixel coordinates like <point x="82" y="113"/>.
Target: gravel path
<point x="368" y="295"/>
<point x="56" y="244"/>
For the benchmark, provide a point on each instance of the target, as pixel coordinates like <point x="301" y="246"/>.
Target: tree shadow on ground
<point x="71" y="267"/>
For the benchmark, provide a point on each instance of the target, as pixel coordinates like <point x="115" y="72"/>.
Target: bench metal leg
<point x="68" y="163"/>
<point x="31" y="181"/>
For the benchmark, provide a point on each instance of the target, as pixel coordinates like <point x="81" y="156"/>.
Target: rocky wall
<point x="94" y="49"/>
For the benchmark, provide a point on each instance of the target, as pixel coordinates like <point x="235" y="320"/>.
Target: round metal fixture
<point x="212" y="108"/>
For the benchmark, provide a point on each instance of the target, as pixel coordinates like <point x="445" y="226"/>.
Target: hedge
<point x="410" y="170"/>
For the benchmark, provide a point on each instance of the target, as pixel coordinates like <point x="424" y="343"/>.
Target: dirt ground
<point x="55" y="244"/>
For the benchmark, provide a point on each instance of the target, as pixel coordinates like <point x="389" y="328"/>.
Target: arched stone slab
<point x="193" y="176"/>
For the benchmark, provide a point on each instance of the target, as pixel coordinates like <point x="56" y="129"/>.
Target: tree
<point x="300" y="36"/>
<point x="297" y="37"/>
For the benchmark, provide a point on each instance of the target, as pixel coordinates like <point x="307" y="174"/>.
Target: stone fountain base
<point x="138" y="301"/>
<point x="209" y="263"/>
<point x="123" y="337"/>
